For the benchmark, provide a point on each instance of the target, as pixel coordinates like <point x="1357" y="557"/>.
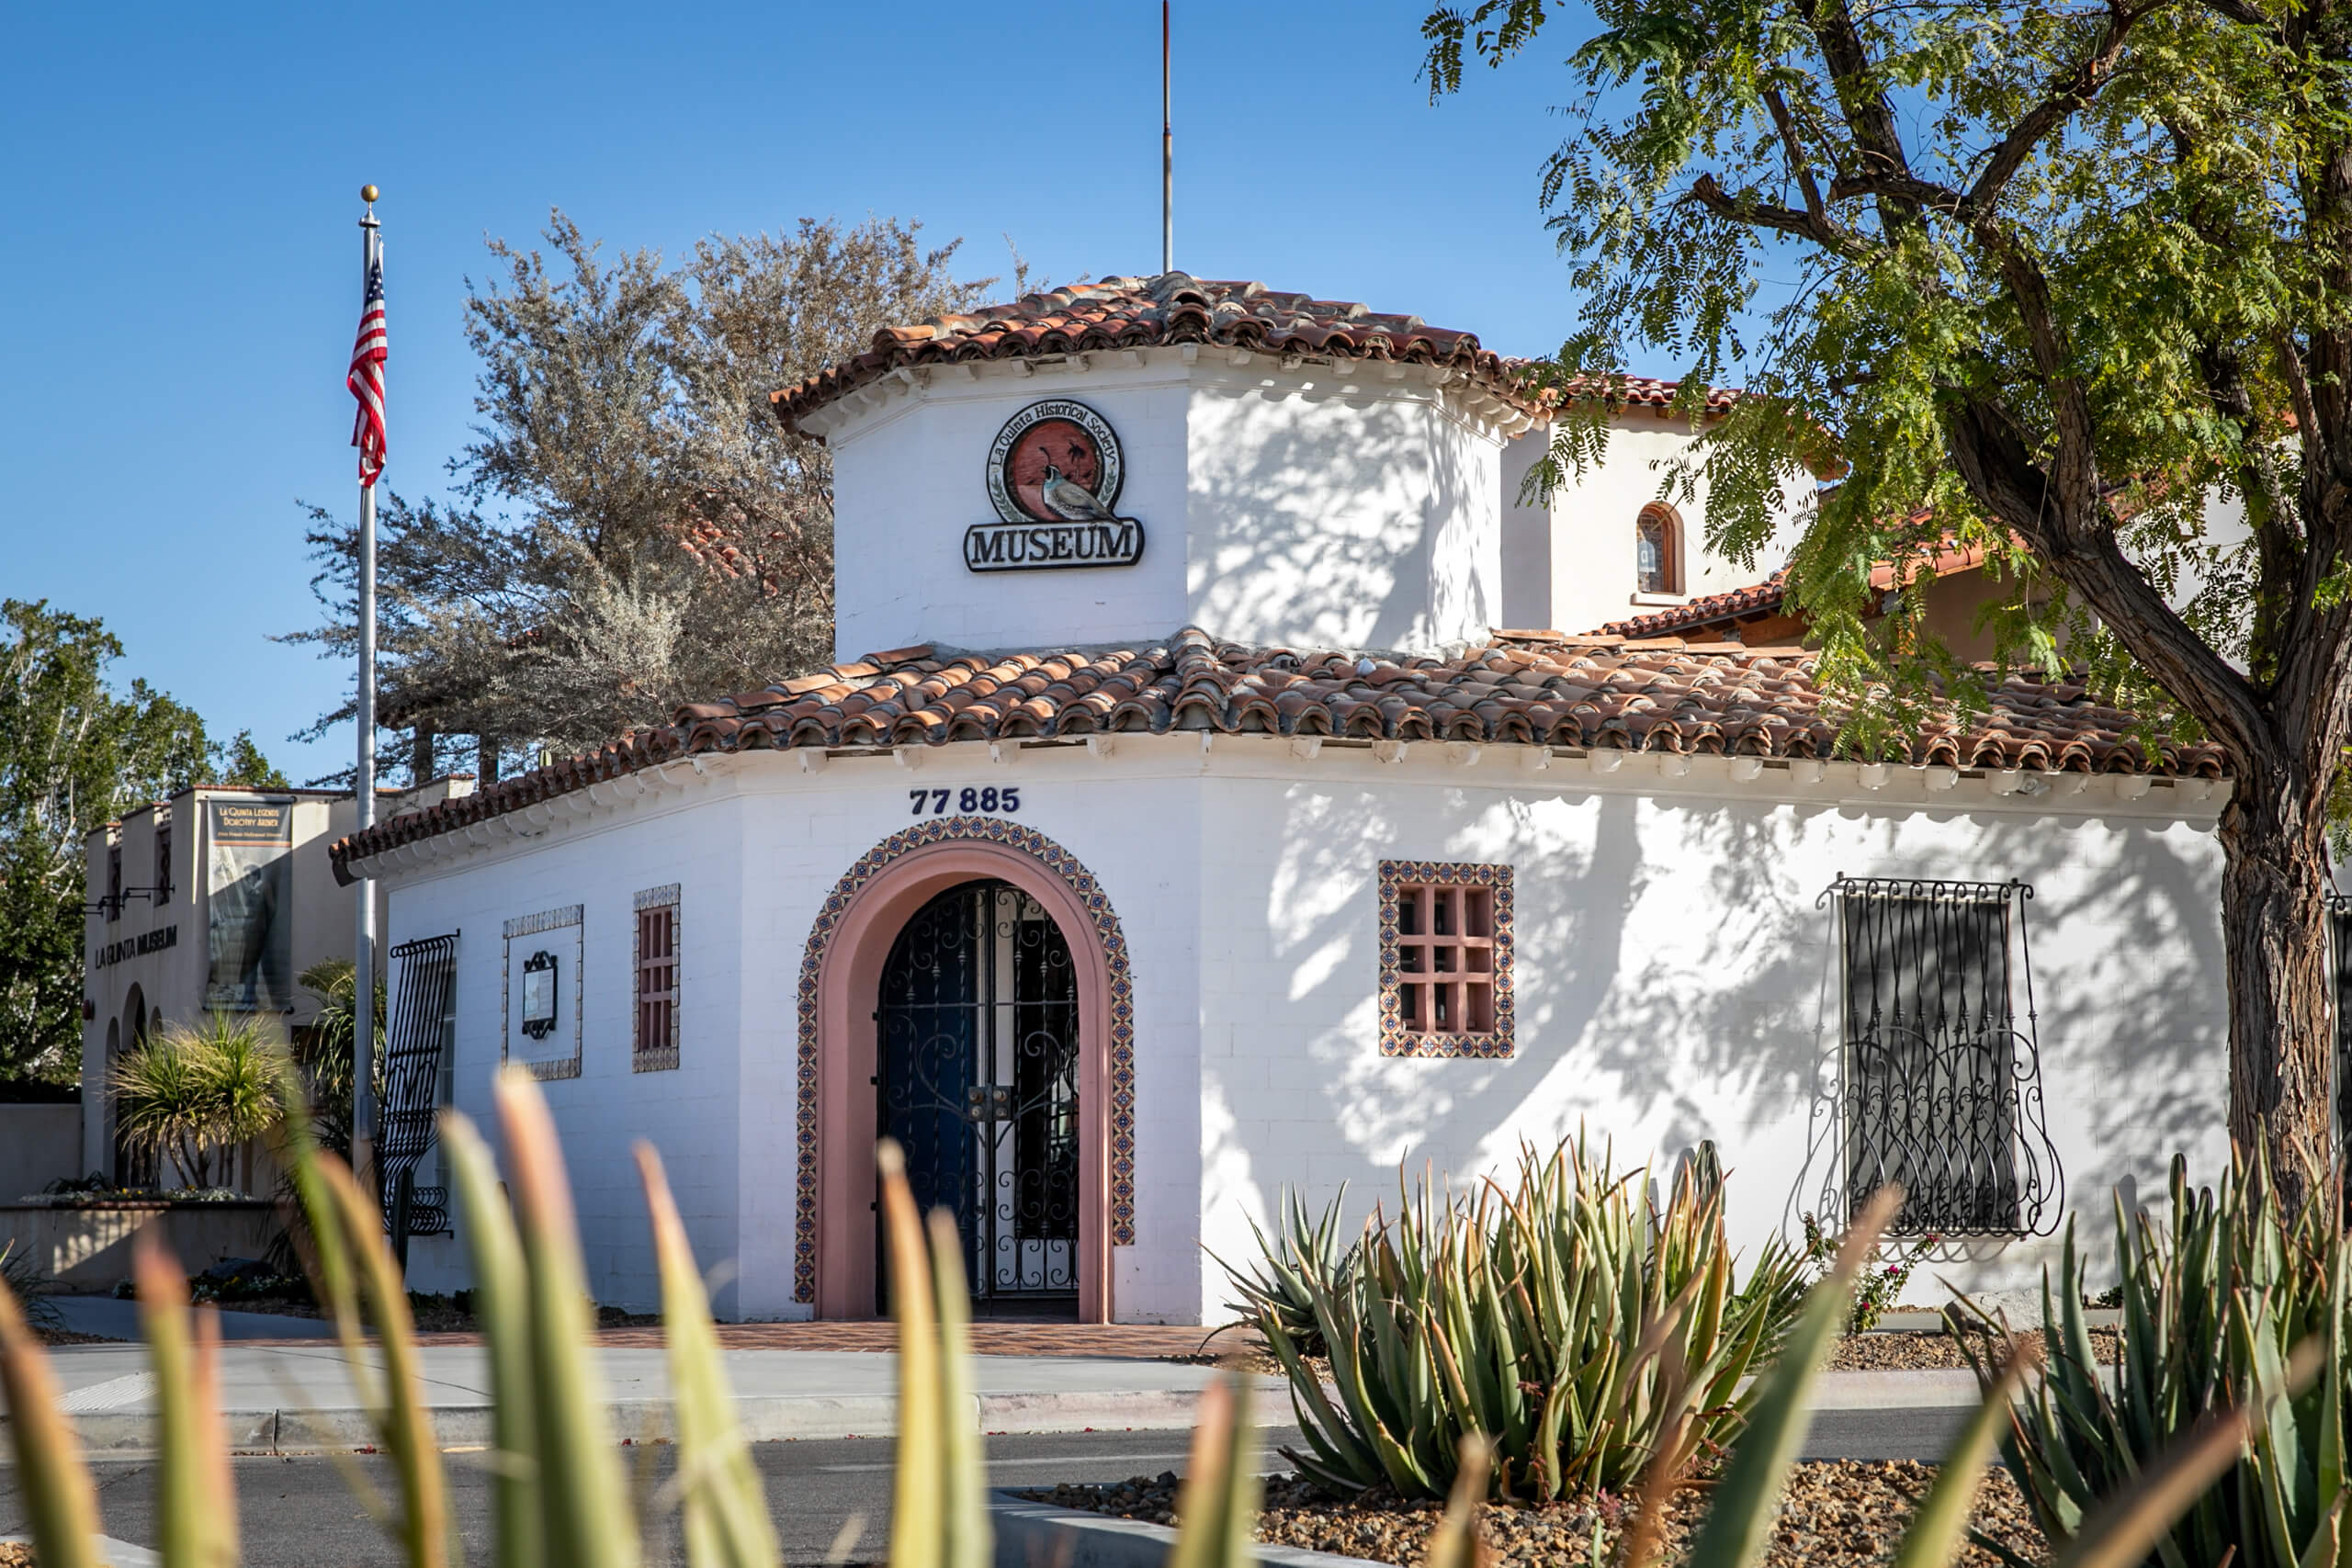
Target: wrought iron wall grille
<point x="979" y="1083"/>
<point x="420" y="1026"/>
<point x="1942" y="1088"/>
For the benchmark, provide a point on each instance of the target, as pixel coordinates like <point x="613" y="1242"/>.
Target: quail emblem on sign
<point x="1054" y="474"/>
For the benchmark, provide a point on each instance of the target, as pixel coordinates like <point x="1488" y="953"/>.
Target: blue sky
<point x="180" y="266"/>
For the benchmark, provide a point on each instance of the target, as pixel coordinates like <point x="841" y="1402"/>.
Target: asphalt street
<point x="831" y="1499"/>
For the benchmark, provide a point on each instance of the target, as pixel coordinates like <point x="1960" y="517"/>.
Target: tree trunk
<point x="2274" y="932"/>
<point x="485" y="761"/>
<point x="421" y="768"/>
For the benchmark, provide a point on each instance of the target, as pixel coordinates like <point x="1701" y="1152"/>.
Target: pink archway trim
<point x="851" y="939"/>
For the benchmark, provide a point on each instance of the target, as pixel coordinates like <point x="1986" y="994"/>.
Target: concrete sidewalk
<point x="300" y="1397"/>
<point x="282" y="1398"/>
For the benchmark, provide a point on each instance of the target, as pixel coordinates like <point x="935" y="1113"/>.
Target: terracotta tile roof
<point x="1769" y="596"/>
<point x="1659" y="695"/>
<point x="1174" y="308"/>
<point x="1635" y="392"/>
<point x="1757" y="598"/>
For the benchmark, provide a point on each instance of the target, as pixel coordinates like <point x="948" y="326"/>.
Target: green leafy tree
<point x="74" y="753"/>
<point x="2068" y="282"/>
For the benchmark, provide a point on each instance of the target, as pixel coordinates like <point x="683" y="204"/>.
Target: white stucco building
<point x="1195" y="835"/>
<point x="215" y="900"/>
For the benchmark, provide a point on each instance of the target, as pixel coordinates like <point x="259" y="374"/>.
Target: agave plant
<point x="1586" y="1333"/>
<point x="559" y="1494"/>
<point x="1282" y="1284"/>
<point x="2215" y="1302"/>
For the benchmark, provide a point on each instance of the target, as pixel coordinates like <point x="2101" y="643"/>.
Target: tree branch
<point x="1800" y="166"/>
<point x="1870" y="119"/>
<point x="1709" y="193"/>
<point x="2068" y="95"/>
<point x="1997" y="466"/>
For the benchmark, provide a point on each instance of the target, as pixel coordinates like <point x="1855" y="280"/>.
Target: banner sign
<point x="1054" y="474"/>
<point x="249" y="877"/>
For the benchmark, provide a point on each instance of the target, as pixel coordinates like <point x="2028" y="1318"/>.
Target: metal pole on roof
<point x="1167" y="156"/>
<point x="363" y="785"/>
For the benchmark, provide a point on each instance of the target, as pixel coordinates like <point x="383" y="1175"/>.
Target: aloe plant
<point x="1584" y="1330"/>
<point x="2216" y="1300"/>
<point x="1283" y="1281"/>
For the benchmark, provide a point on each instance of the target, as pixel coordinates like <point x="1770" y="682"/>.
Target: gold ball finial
<point x="367" y="193"/>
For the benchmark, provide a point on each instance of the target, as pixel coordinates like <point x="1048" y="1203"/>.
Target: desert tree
<point x="631" y="528"/>
<point x="2065" y="280"/>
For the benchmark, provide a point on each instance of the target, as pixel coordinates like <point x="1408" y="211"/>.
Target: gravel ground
<point x="1838" y="1513"/>
<point x="1888" y="1351"/>
<point x="63" y="1337"/>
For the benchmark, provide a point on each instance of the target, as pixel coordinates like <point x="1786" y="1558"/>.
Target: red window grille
<point x="657" y="980"/>
<point x="1445" y="958"/>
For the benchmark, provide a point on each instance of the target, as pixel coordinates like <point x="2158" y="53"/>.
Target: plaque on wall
<point x="542" y="1026"/>
<point x="1053" y="475"/>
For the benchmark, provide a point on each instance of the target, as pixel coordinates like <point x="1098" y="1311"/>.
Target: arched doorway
<point x="977" y="1052"/>
<point x="838" y="1072"/>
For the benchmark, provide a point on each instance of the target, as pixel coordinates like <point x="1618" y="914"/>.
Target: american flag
<point x="365" y="379"/>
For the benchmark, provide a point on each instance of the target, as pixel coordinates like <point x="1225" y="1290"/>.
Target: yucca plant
<point x="1282" y="1282"/>
<point x="1586" y="1332"/>
<point x="2215" y="1301"/>
<point x="194" y="1090"/>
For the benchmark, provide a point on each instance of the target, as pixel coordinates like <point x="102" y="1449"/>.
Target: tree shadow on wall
<point x="1284" y="565"/>
<point x="1666" y="1008"/>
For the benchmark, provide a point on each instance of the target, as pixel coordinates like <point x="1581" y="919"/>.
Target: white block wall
<point x="1570" y="564"/>
<point x="1676" y="980"/>
<point x="1292" y="506"/>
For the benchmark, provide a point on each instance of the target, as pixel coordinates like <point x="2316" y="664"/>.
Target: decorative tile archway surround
<point x="1119" y="1048"/>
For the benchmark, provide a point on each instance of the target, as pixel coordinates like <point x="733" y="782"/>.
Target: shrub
<point x="22" y="1279"/>
<point x="1882" y="1280"/>
<point x="1586" y="1331"/>
<point x="2215" y="1302"/>
<point x="192" y="1092"/>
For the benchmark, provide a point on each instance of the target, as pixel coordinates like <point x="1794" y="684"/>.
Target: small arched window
<point x="1657" y="551"/>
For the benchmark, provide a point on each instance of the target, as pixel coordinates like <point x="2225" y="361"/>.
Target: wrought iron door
<point x="979" y="1083"/>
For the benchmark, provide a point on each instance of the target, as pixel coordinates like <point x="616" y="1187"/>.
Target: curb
<point x="768" y="1418"/>
<point x="112" y="1553"/>
<point x="765" y="1419"/>
<point x="1031" y="1533"/>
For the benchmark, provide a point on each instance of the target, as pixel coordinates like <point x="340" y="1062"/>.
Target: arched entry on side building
<point x="977" y="1054"/>
<point x="966" y="990"/>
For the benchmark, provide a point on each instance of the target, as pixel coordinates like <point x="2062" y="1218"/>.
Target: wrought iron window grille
<point x="1940" y="1079"/>
<point x="420" y="1028"/>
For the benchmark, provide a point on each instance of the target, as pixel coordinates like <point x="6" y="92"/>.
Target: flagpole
<point x="363" y="995"/>
<point x="1167" y="156"/>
